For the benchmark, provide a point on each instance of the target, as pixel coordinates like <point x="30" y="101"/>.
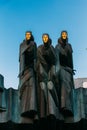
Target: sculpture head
<point x="45" y="38"/>
<point x="64" y="35"/>
<point x="28" y="35"/>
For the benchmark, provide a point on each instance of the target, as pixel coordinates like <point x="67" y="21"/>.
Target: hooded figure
<point x="48" y="100"/>
<point x="27" y="76"/>
<point x="65" y="74"/>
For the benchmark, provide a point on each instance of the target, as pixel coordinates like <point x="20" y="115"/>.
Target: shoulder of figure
<point x="32" y="42"/>
<point x="35" y="44"/>
<point x="40" y="46"/>
<point x="22" y="43"/>
<point x="52" y="46"/>
<point x="57" y="45"/>
<point x="70" y="46"/>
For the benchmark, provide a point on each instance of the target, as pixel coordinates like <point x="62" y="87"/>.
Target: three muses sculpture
<point x="46" y="77"/>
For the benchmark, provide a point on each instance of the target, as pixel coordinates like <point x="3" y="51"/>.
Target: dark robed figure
<point x="27" y="76"/>
<point x="48" y="101"/>
<point x="65" y="74"/>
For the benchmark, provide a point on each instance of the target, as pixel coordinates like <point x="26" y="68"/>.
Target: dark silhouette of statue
<point x="48" y="100"/>
<point x="27" y="76"/>
<point x="64" y="69"/>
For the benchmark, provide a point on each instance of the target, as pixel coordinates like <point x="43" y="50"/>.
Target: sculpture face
<point x="64" y="35"/>
<point x="28" y="36"/>
<point x="45" y="38"/>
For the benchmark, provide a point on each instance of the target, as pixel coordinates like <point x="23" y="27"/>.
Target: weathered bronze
<point x="45" y="74"/>
<point x="46" y="61"/>
<point x="65" y="74"/>
<point x="27" y="76"/>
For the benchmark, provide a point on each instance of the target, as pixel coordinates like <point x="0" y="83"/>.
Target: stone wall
<point x="10" y="103"/>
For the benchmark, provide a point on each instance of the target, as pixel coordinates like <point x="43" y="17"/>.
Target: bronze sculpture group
<point x="45" y="77"/>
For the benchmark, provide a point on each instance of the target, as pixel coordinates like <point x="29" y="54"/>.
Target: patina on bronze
<point x="65" y="74"/>
<point x="27" y="76"/>
<point x="46" y="61"/>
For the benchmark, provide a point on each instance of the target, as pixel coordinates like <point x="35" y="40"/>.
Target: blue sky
<point x="40" y="16"/>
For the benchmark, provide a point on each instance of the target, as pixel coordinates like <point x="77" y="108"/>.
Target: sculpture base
<point x="29" y="114"/>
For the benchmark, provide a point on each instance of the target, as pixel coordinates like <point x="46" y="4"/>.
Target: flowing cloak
<point x="65" y="78"/>
<point x="48" y="100"/>
<point x="27" y="79"/>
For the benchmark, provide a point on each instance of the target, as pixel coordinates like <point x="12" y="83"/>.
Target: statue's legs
<point x="52" y="105"/>
<point x="29" y="99"/>
<point x="43" y="99"/>
<point x="66" y="100"/>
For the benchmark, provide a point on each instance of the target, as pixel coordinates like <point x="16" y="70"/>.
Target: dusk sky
<point x="41" y="16"/>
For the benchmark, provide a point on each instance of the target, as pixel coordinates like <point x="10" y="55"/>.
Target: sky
<point x="41" y="16"/>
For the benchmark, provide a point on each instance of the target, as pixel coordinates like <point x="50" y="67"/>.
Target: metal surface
<point x="11" y="102"/>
